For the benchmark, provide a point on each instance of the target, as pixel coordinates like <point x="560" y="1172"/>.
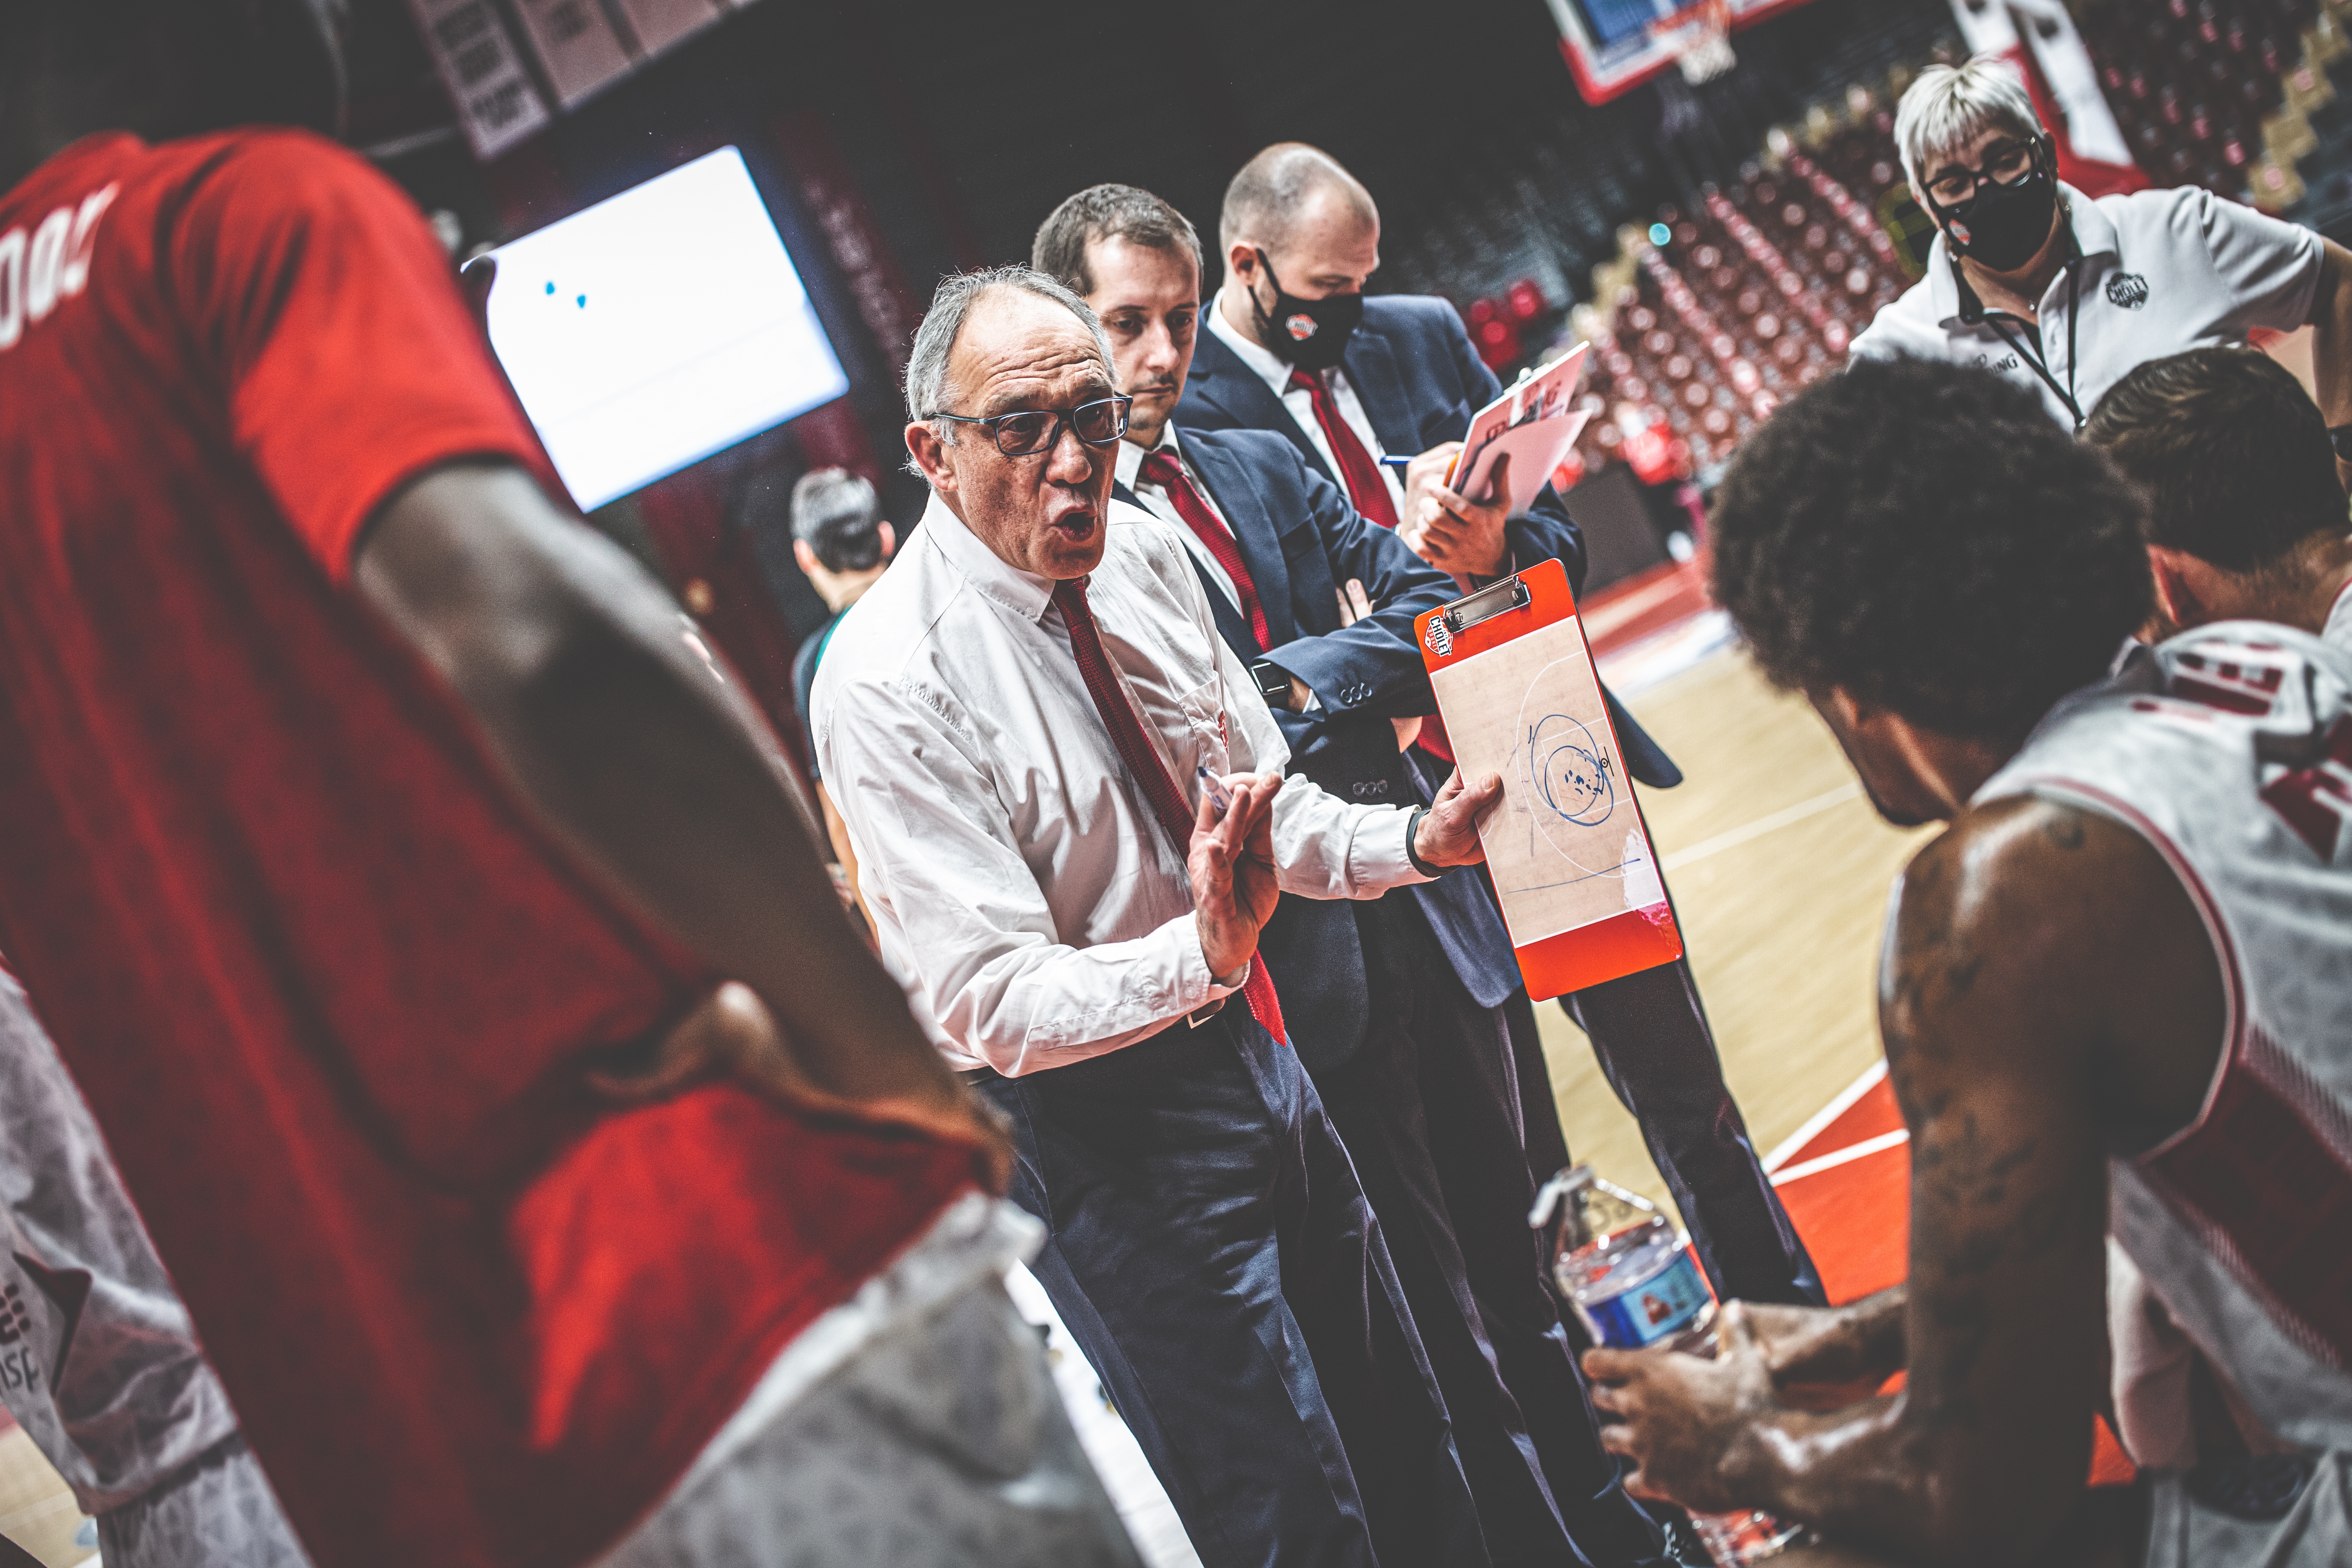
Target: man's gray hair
<point x="928" y="390"/>
<point x="1264" y="198"/>
<point x="1950" y="106"/>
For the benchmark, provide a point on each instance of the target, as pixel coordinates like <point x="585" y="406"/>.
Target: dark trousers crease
<point x="1214" y="1255"/>
<point x="1429" y="1107"/>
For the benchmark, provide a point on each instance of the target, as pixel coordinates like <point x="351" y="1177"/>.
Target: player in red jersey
<point x="378" y="842"/>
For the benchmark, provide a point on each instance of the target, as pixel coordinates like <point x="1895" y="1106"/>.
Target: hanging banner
<point x="829" y="194"/>
<point x="2038" y="37"/>
<point x="658" y="23"/>
<point x="482" y="71"/>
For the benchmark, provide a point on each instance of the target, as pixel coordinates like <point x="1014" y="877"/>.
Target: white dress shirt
<point x="1300" y="406"/>
<point x="2338" y="629"/>
<point x="2162" y="272"/>
<point x="1155" y="501"/>
<point x="1022" y="887"/>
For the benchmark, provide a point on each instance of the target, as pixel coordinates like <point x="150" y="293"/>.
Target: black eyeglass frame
<point x="1063" y="418"/>
<point x="1979" y="177"/>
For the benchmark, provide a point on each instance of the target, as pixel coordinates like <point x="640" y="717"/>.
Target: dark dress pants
<point x="1650" y="1034"/>
<point x="1210" y="1249"/>
<point x="1429" y="1107"/>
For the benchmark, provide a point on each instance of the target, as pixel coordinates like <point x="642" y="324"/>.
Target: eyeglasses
<point x="2005" y="163"/>
<point x="1032" y="430"/>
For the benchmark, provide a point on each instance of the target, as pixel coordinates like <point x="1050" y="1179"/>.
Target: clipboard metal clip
<point x="1495" y="599"/>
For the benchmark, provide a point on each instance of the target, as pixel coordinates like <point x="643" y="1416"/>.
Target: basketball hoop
<point x="1699" y="37"/>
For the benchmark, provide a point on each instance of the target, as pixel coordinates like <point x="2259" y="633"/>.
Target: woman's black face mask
<point x="1309" y="333"/>
<point x="2001" y="228"/>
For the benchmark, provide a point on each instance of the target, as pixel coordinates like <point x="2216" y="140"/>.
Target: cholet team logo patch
<point x="1302" y="327"/>
<point x="2128" y="290"/>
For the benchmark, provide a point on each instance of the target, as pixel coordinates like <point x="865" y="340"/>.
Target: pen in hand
<point x="1214" y="788"/>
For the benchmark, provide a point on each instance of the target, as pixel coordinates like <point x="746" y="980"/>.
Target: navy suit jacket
<point x="1413" y="369"/>
<point x="1301" y="540"/>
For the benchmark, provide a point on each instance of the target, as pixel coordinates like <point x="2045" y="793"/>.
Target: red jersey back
<point x="326" y="987"/>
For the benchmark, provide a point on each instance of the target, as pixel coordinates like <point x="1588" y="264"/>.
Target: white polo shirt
<point x="2162" y="272"/>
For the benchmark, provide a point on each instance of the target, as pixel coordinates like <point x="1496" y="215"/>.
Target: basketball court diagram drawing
<point x="1566" y="847"/>
<point x="1568" y="784"/>
<point x="1569" y="770"/>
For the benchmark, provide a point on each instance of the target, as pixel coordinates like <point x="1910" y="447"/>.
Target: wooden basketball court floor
<point x="1779" y="871"/>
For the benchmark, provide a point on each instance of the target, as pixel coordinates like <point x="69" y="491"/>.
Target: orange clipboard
<point x="1567" y="848"/>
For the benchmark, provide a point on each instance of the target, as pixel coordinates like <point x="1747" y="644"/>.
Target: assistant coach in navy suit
<point x="1292" y="345"/>
<point x="1415" y="1067"/>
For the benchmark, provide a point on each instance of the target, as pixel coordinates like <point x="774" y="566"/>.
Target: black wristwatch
<point x="2341" y="440"/>
<point x="1412" y="853"/>
<point x="1272" y="683"/>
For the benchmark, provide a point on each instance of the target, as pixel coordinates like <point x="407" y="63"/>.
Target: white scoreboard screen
<point x="658" y="327"/>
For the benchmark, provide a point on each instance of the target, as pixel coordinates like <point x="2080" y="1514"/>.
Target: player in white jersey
<point x="98" y="1362"/>
<point x="2117" y="998"/>
<point x="2245" y="514"/>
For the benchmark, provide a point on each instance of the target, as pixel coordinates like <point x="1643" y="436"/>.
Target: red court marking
<point x="1874" y="1114"/>
<point x="1856" y="1222"/>
<point x="1855" y="1219"/>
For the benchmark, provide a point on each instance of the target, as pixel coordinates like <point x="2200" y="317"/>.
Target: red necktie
<point x="1162" y="469"/>
<point x="1369" y="491"/>
<point x="1366" y="488"/>
<point x="1136" y="751"/>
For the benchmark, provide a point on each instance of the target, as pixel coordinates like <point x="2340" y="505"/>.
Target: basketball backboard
<point x="1614" y="46"/>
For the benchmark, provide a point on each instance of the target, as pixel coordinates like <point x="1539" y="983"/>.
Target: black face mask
<point x="2002" y="227"/>
<point x="1309" y="333"/>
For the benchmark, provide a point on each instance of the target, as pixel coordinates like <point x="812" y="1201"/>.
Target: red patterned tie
<point x="1136" y="751"/>
<point x="1369" y="491"/>
<point x="1162" y="469"/>
<point x="1366" y="487"/>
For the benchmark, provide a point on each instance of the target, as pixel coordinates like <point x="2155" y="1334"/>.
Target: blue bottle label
<point x="1655" y="1309"/>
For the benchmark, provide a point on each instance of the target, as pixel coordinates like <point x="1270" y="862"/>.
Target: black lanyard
<point x="1972" y="310"/>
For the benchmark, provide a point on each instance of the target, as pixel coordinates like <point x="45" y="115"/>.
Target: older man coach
<point x="1072" y="823"/>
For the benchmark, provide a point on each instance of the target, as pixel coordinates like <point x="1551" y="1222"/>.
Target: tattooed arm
<point x="2048" y="987"/>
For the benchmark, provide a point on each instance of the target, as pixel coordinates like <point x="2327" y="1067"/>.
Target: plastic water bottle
<point x="1633" y="1284"/>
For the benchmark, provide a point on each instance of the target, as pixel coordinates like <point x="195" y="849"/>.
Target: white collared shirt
<point x="1155" y="501"/>
<point x="2337" y="632"/>
<point x="2162" y="272"/>
<point x="1300" y="406"/>
<point x="1023" y="890"/>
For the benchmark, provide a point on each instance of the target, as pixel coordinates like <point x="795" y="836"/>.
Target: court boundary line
<point x="1772" y="822"/>
<point x="1845" y="1156"/>
<point x="1846" y="1097"/>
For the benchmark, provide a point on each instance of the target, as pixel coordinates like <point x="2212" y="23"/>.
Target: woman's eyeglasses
<point x="2005" y="163"/>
